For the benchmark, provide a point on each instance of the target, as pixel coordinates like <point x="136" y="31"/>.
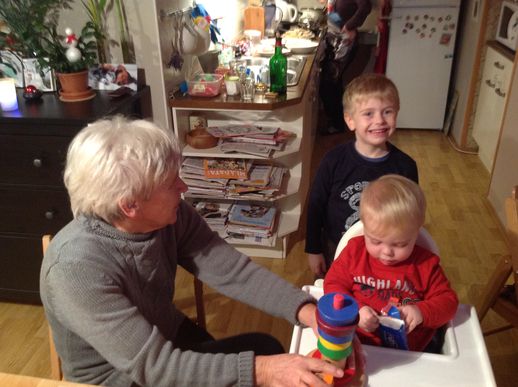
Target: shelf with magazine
<point x="290" y="127"/>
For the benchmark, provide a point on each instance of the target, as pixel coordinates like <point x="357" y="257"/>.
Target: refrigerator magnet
<point x="445" y="39"/>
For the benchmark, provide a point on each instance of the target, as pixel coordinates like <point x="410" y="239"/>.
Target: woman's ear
<point x="128" y="207"/>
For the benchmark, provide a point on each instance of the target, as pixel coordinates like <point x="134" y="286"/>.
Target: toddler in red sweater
<point x="386" y="264"/>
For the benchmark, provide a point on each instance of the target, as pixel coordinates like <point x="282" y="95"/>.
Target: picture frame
<point x="43" y="78"/>
<point x="12" y="67"/>
<point x="111" y="76"/>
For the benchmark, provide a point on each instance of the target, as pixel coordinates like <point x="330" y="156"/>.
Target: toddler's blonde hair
<point x="369" y="85"/>
<point x="392" y="202"/>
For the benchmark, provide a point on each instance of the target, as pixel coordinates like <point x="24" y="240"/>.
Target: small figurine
<point x="73" y="54"/>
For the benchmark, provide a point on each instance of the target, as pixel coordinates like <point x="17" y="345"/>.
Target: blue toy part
<point x="337" y="316"/>
<point x="335" y="339"/>
<point x="394" y="312"/>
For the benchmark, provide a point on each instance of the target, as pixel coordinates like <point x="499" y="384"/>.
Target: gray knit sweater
<point x="107" y="296"/>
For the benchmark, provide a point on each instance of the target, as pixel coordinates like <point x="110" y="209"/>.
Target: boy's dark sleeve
<point x="317" y="207"/>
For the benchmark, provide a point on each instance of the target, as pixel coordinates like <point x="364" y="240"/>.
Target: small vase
<point x="74" y="87"/>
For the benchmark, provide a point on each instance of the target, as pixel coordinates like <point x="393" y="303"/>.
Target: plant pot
<point x="74" y="87"/>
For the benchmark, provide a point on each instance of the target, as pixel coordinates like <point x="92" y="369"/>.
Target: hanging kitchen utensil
<point x="176" y="59"/>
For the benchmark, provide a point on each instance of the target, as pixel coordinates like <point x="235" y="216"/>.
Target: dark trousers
<point x="192" y="337"/>
<point x="332" y="84"/>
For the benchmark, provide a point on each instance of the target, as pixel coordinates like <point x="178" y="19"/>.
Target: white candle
<point x="8" y="100"/>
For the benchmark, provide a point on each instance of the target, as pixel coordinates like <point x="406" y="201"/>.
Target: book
<point x="226" y="168"/>
<point x="252" y="215"/>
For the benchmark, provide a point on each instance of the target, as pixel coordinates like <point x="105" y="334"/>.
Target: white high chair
<point x="463" y="362"/>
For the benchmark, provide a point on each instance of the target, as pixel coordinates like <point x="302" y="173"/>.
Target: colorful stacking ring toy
<point x="337" y="318"/>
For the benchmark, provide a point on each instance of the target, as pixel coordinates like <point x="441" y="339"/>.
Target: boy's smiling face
<point x="373" y="120"/>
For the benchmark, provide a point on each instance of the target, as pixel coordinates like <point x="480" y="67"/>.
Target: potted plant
<point x="33" y="33"/>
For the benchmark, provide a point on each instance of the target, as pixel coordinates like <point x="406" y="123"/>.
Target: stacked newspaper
<point x="251" y="224"/>
<point x="250" y="139"/>
<point x="238" y="223"/>
<point x="231" y="178"/>
<point x="215" y="214"/>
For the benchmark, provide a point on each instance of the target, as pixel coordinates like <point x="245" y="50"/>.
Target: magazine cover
<point x="252" y="215"/>
<point x="226" y="168"/>
<point x="109" y="76"/>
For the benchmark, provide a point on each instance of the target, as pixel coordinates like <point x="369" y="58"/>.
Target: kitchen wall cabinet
<point x="494" y="89"/>
<point x="33" y="200"/>
<point x="297" y="112"/>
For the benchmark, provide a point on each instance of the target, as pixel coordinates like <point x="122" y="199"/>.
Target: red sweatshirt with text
<point x="418" y="280"/>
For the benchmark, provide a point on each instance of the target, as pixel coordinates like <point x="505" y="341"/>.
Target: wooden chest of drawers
<point x="33" y="200"/>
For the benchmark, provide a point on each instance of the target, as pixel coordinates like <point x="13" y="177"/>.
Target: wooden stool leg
<point x="200" y="307"/>
<point x="494" y="286"/>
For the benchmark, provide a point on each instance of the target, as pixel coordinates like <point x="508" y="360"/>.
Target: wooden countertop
<point x="260" y="102"/>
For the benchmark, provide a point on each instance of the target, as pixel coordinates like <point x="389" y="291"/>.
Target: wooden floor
<point x="458" y="217"/>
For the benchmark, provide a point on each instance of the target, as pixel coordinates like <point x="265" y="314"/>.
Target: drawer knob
<point x="49" y="215"/>
<point x="37" y="163"/>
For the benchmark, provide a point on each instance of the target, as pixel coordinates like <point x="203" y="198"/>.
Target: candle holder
<point x="8" y="99"/>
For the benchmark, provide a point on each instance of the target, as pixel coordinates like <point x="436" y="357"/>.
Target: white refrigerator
<point x="419" y="60"/>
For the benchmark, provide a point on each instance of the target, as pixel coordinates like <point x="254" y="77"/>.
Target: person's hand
<point x="317" y="264"/>
<point x="412" y="316"/>
<point x="292" y="370"/>
<point x="351" y="34"/>
<point x="368" y="319"/>
<point x="307" y="316"/>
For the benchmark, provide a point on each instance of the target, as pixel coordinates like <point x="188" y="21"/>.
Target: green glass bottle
<point x="278" y="68"/>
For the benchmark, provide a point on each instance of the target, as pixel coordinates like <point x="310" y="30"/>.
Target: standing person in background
<point x="108" y="277"/>
<point x="341" y="39"/>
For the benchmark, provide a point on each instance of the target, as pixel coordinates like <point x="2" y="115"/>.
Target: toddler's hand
<point x="412" y="316"/>
<point x="368" y="319"/>
<point x="317" y="264"/>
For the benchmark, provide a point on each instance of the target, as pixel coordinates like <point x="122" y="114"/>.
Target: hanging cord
<point x="454" y="146"/>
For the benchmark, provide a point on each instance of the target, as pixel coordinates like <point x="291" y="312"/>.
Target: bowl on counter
<point x="205" y="85"/>
<point x="298" y="46"/>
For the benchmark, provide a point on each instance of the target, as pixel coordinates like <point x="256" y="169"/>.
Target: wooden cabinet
<point x="296" y="113"/>
<point x="33" y="200"/>
<point x="494" y="89"/>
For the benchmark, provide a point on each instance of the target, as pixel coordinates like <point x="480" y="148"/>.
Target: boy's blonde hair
<point x="369" y="85"/>
<point x="393" y="202"/>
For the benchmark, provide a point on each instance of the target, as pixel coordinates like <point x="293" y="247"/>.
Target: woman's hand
<point x="412" y="316"/>
<point x="368" y="319"/>
<point x="292" y="370"/>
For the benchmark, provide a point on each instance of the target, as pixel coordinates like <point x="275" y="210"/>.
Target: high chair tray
<point x="464" y="361"/>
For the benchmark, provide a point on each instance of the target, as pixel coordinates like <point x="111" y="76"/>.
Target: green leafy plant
<point x="33" y="33"/>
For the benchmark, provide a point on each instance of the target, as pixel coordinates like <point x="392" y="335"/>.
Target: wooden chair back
<point x="56" y="372"/>
<point x="499" y="294"/>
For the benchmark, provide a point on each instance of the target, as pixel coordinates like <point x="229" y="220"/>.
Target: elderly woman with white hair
<point x="107" y="278"/>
